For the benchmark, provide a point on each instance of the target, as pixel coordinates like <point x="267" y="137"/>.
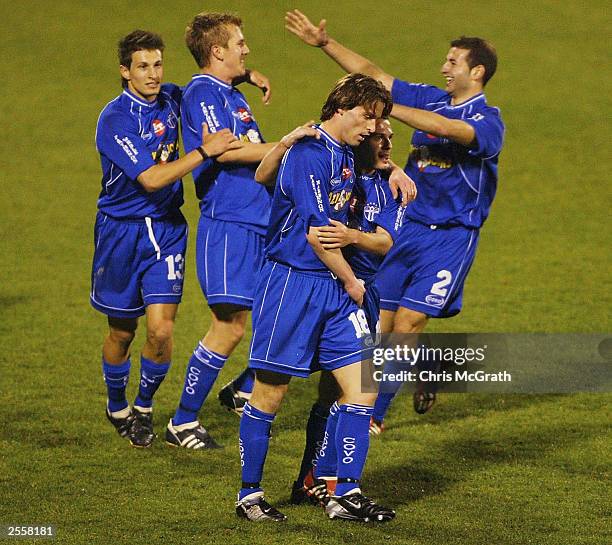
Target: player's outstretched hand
<point x="336" y="235"/>
<point x="300" y="25"/>
<point x="259" y="80"/>
<point x="217" y="143"/>
<point x="356" y="290"/>
<point x="400" y="182"/>
<point x="300" y="132"/>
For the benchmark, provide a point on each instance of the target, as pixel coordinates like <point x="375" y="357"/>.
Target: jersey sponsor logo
<point x="316" y="189"/>
<point x="211" y="117"/>
<point x="158" y="127"/>
<point x="434" y="300"/>
<point x="253" y="136"/>
<point x="338" y="199"/>
<point x="126" y="145"/>
<point x="164" y="152"/>
<point x="244" y="115"/>
<point x="423" y="158"/>
<point x="370" y="211"/>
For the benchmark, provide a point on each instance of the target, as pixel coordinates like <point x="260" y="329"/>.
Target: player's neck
<point x="333" y="129"/>
<point x="219" y="72"/>
<point x="464" y="96"/>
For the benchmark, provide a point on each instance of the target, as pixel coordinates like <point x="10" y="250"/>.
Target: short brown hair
<point x="356" y="90"/>
<point x="481" y="53"/>
<point x="137" y="40"/>
<point x="207" y="30"/>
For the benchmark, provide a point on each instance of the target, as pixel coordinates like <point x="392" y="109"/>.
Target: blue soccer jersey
<point x="456" y="183"/>
<point x="372" y="205"/>
<point x="314" y="184"/>
<point x="227" y="192"/>
<point x="133" y="135"/>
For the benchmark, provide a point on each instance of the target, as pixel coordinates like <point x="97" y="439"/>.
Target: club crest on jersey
<point x="370" y="211"/>
<point x="158" y="127"/>
<point x="346" y="173"/>
<point x="244" y="115"/>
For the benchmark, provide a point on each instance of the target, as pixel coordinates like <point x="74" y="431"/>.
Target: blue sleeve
<point x="119" y="140"/>
<point x="304" y="179"/>
<point x="390" y="217"/>
<point x="416" y="95"/>
<point x="489" y="130"/>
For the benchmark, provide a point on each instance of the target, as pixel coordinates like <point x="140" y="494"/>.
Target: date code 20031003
<point x="21" y="531"/>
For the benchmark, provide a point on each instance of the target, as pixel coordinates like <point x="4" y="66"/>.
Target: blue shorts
<point x="304" y="321"/>
<point x="228" y="259"/>
<point x="426" y="268"/>
<point x="137" y="263"/>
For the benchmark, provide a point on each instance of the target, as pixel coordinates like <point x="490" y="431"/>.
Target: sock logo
<point x="348" y="448"/>
<point x="192" y="378"/>
<point x="323" y="446"/>
<point x="241" y="449"/>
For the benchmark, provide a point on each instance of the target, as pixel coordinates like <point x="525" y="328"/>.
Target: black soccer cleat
<point x="312" y="490"/>
<point x="141" y="434"/>
<point x="122" y="425"/>
<point x="256" y="509"/>
<point x="423" y="401"/>
<point x="232" y="399"/>
<point x="357" y="507"/>
<point x="194" y="438"/>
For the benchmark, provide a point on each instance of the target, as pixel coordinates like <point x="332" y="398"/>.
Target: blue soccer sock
<point x="116" y="378"/>
<point x="327" y="457"/>
<point x="253" y="445"/>
<point x="151" y="376"/>
<point x="352" y="444"/>
<point x="244" y="382"/>
<point x="315" y="432"/>
<point x="202" y="370"/>
<point x="383" y="402"/>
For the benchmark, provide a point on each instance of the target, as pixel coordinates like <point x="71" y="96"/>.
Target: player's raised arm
<point x="432" y="123"/>
<point x="297" y="23"/>
<point x="213" y="145"/>
<point x="268" y="168"/>
<point x="257" y="79"/>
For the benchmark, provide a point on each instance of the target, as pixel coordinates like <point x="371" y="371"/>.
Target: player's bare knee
<point x="122" y="332"/>
<point x="409" y="321"/>
<point x="159" y="335"/>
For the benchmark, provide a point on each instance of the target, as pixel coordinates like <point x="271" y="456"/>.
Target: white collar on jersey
<point x="139" y="101"/>
<point x="213" y="79"/>
<point x="330" y="138"/>
<point x="469" y="101"/>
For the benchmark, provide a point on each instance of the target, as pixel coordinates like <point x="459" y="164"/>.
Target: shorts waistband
<point x="306" y="272"/>
<point x="174" y="218"/>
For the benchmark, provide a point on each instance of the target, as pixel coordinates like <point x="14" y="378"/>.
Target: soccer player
<point x="234" y="210"/>
<point x="307" y="313"/>
<point x="140" y="234"/>
<point x="453" y="160"/>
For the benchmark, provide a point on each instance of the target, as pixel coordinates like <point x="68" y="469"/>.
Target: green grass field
<point x="477" y="470"/>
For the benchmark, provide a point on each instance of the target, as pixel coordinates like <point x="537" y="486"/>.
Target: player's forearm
<point x="354" y="62"/>
<point x="268" y="168"/>
<point x="438" y="125"/>
<point x="332" y="259"/>
<point x="377" y="243"/>
<point x="249" y="153"/>
<point x="159" y="176"/>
